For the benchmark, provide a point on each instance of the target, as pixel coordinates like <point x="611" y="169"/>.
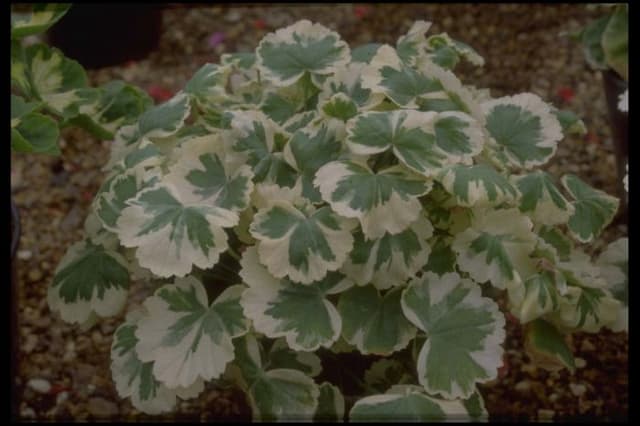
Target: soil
<point x="526" y="49"/>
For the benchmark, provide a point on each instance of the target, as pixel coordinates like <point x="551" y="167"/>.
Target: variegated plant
<point x="50" y="91"/>
<point x="307" y="200"/>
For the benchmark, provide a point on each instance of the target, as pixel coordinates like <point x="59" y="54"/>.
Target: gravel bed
<point x="64" y="371"/>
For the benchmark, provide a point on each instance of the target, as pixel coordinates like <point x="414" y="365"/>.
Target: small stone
<point x="24" y="254"/>
<point x="545" y="415"/>
<point x="35" y="275"/>
<point x="28" y="413"/>
<point x="553" y="397"/>
<point x="587" y="346"/>
<point x="580" y="362"/>
<point x="62" y="397"/>
<point x="30" y="344"/>
<point x="91" y="388"/>
<point x="232" y="16"/>
<point x="577" y="389"/>
<point x="523" y="386"/>
<point x="39" y="385"/>
<point x="100" y="407"/>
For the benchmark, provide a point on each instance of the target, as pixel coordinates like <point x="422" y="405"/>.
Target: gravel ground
<point x="64" y="372"/>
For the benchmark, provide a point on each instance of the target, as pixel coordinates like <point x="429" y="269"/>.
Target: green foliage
<point x="56" y="86"/>
<point x="310" y="202"/>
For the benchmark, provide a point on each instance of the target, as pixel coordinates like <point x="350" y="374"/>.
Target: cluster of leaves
<point x="309" y="199"/>
<point x="605" y="41"/>
<point x="50" y="91"/>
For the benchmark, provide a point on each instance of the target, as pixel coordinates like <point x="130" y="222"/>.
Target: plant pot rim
<point x="15" y="229"/>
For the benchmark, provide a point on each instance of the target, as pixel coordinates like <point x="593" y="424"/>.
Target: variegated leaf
<point x="134" y="378"/>
<point x="541" y="200"/>
<point x="170" y="235"/>
<point x="384" y="373"/>
<point x="383" y="202"/>
<point x="614" y="269"/>
<point x="61" y="83"/>
<point x="594" y="209"/>
<point x="586" y="309"/>
<point x="386" y="74"/>
<point x="348" y="81"/>
<point x="208" y="83"/>
<point x="408" y="403"/>
<point x="303" y="246"/>
<point x="281" y="308"/>
<point x="281" y="394"/>
<point x="495" y="246"/>
<point x="117" y="104"/>
<point x="282" y="356"/>
<point x="165" y="119"/>
<point x="440" y="42"/>
<point x="389" y="261"/>
<point x="32" y="131"/>
<point x="330" y="404"/>
<point x="523" y="129"/>
<point x="374" y="323"/>
<point x="202" y="174"/>
<point x="479" y="185"/>
<point x="547" y="347"/>
<point x="412" y="45"/>
<point x="442" y="258"/>
<point x="90" y="280"/>
<point x="112" y="197"/>
<point x="570" y="122"/>
<point x="261" y="139"/>
<point x="452" y="94"/>
<point x="309" y="149"/>
<point x="536" y="295"/>
<point x="185" y="337"/>
<point x="409" y="133"/>
<point x="38" y="20"/>
<point x="287" y="54"/>
<point x="465" y="332"/>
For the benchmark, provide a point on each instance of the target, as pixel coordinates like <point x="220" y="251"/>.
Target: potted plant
<point x="50" y="92"/>
<point x="309" y="203"/>
<point x="605" y="43"/>
<point x="112" y="34"/>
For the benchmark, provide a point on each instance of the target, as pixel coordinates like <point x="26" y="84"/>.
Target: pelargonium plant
<point x="308" y="201"/>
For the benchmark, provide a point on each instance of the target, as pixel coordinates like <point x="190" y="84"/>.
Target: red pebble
<point x="259" y="24"/>
<point x="361" y="11"/>
<point x="566" y="93"/>
<point x="56" y="389"/>
<point x="511" y="318"/>
<point x="592" y="138"/>
<point x="504" y="369"/>
<point x="87" y="196"/>
<point x="159" y="94"/>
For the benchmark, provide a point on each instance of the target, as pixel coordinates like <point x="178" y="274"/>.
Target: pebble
<point x="577" y="389"/>
<point x="100" y="407"/>
<point x="62" y="397"/>
<point x="28" y="413"/>
<point x="24" y="254"/>
<point x="35" y="275"/>
<point x="39" y="385"/>
<point x="523" y="386"/>
<point x="587" y="346"/>
<point x="30" y="344"/>
<point x="580" y="362"/>
<point x="546" y="415"/>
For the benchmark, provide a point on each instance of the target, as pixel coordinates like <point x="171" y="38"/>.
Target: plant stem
<point x="233" y="254"/>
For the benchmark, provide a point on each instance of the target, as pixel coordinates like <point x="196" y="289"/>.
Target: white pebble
<point x="62" y="397"/>
<point x="24" y="254"/>
<point x="580" y="362"/>
<point x="28" y="413"/>
<point x="577" y="389"/>
<point x="39" y="385"/>
<point x="91" y="388"/>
